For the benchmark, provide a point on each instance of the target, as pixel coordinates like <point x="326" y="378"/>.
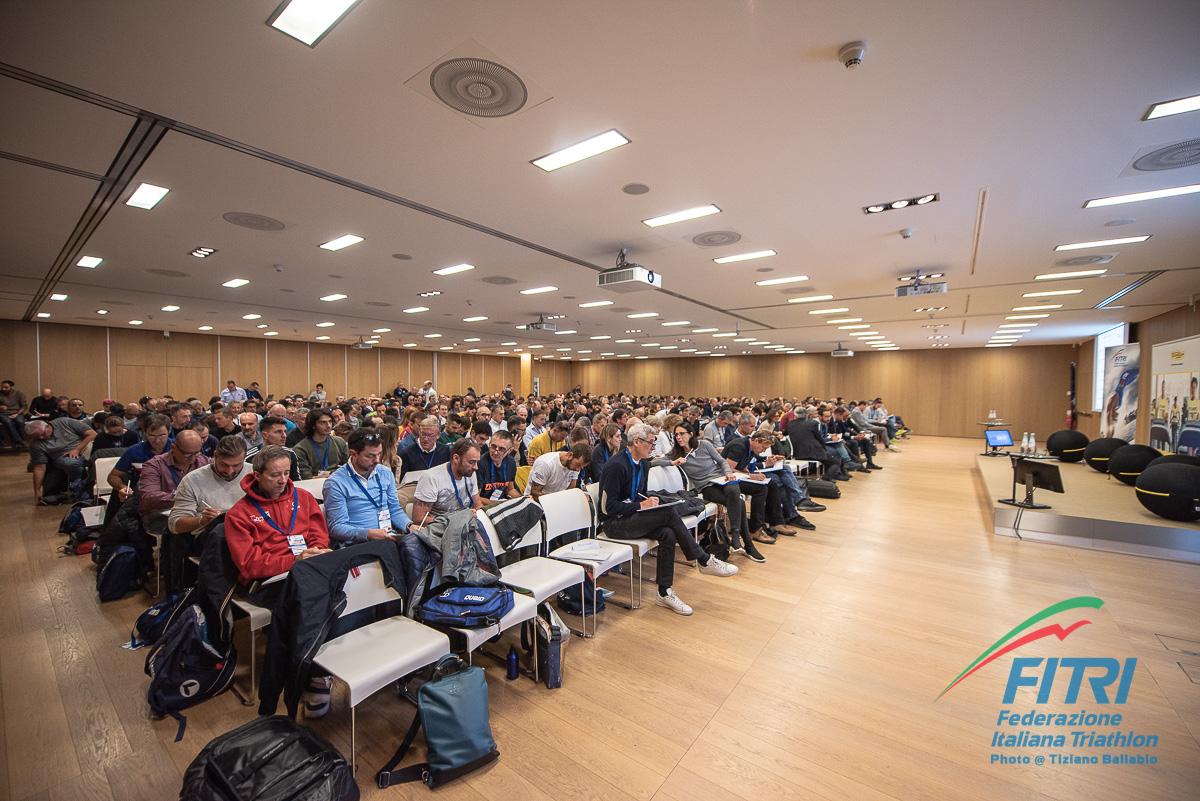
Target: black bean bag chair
<point x="1127" y="463"/>
<point x="1098" y="451"/>
<point x="1067" y="445"/>
<point x="1171" y="490"/>
<point x="1176" y="458"/>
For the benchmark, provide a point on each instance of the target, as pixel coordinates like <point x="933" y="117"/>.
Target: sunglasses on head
<point x="371" y="439"/>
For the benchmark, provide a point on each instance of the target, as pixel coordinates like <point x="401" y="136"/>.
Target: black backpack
<point x="269" y="758"/>
<point x="120" y="573"/>
<point x="192" y="661"/>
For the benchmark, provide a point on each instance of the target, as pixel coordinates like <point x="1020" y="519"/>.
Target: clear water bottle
<point x="991" y="414"/>
<point x="1024" y="443"/>
<point x="1032" y="444"/>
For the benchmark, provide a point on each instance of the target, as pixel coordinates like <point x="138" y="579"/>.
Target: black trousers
<point x="666" y="527"/>
<point x="730" y="496"/>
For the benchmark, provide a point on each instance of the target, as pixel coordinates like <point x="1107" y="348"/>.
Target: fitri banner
<point x="1121" y="368"/>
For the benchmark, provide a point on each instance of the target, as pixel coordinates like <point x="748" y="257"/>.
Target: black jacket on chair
<point x="806" y="441"/>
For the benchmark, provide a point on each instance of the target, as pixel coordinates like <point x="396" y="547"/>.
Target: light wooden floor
<point x="812" y="676"/>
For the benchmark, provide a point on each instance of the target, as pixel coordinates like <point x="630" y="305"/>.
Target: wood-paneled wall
<point x="96" y="363"/>
<point x="943" y="392"/>
<point x="1176" y="324"/>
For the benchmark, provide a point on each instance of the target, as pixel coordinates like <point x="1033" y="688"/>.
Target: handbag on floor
<point x="819" y="488"/>
<point x="452" y="707"/>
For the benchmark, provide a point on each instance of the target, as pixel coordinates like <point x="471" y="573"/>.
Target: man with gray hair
<point x="59" y="442"/>
<point x="718" y="429"/>
<point x="250" y="433"/>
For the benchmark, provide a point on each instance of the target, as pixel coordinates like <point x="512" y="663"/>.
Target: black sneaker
<point x="753" y="554"/>
<point x="799" y="522"/>
<point x="810" y="506"/>
<point x="873" y="466"/>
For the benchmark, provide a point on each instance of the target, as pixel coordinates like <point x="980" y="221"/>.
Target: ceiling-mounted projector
<point x="628" y="277"/>
<point x="361" y="345"/>
<point x="841" y="353"/>
<point x="919" y="284"/>
<point x="540" y="324"/>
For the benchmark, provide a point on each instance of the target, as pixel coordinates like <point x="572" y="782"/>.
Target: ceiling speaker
<point x="478" y="87"/>
<point x="499" y="280"/>
<point x="1171" y="157"/>
<point x="1085" y="261"/>
<point x="166" y="273"/>
<point x="255" y="222"/>
<point x="715" y="239"/>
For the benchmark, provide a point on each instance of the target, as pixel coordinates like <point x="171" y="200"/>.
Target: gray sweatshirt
<point x="703" y="465"/>
<point x="203" y="487"/>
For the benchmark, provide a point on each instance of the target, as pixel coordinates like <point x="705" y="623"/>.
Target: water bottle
<point x="1024" y="443"/>
<point x="512" y="664"/>
<point x="991" y="414"/>
<point x="1032" y="444"/>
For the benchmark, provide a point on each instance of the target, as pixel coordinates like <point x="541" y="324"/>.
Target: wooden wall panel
<point x="243" y="360"/>
<point x="449" y="373"/>
<point x="19" y="356"/>
<point x="394" y="366"/>
<point x="363" y="369"/>
<point x="512" y="373"/>
<point x="472" y="373"/>
<point x="192" y="366"/>
<point x="327" y="365"/>
<point x="139" y="363"/>
<point x="1177" y="324"/>
<point x="287" y="371"/>
<point x="493" y="374"/>
<point x="68" y="353"/>
<point x="420" y="368"/>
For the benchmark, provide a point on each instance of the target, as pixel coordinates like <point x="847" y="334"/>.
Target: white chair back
<point x="490" y="530"/>
<point x="314" y="486"/>
<point x="367" y="589"/>
<point x="104" y="466"/>
<point x="412" y="477"/>
<point x="669" y="478"/>
<point x="593" y="490"/>
<point x="568" y="510"/>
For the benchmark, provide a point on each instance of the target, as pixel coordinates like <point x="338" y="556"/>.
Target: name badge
<point x="297" y="544"/>
<point x="385" y="519"/>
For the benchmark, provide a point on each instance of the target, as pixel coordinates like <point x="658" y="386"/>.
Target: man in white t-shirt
<point x="450" y="486"/>
<point x="557" y="470"/>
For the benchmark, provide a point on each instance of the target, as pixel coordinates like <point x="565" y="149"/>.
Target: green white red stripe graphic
<point x="1003" y="645"/>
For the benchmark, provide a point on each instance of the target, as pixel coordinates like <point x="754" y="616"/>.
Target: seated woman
<point x="709" y="473"/>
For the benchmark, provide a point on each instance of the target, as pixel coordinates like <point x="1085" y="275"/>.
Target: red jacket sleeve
<point x="257" y="550"/>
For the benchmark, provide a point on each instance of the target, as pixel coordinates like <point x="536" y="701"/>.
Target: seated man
<point x="250" y="433"/>
<point x="156" y="495"/>
<point x="44" y="406"/>
<point x="156" y="428"/>
<point x="320" y="452"/>
<point x="208" y="442"/>
<point x="553" y="439"/>
<point x="860" y="420"/>
<point x="537" y="426"/>
<point x="233" y="392"/>
<point x="61" y="443"/>
<point x="201" y="496"/>
<point x="497" y="420"/>
<point x="450" y="487"/>
<point x="718" y="429"/>
<point x="769" y="511"/>
<point x="833" y="441"/>
<point x="808" y="445"/>
<point x="12" y="413"/>
<point x="274" y="432"/>
<point x="481" y="432"/>
<point x="114" y="435"/>
<point x="360" y="496"/>
<point x="497" y="470"/>
<point x="857" y="441"/>
<point x="455" y="429"/>
<point x="423" y="453"/>
<point x="627" y="513"/>
<point x="223" y="424"/>
<point x="558" y="470"/>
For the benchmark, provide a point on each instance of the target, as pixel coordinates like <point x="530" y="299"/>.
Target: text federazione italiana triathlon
<point x="1082" y="729"/>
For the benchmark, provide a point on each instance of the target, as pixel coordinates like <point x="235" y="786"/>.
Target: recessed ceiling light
<point x="921" y="201"/>
<point x="998" y="345"/>
<point x="566" y="331"/>
<point x="744" y="339"/>
<point x="1051" y="293"/>
<point x="409" y="345"/>
<point x="507" y="344"/>
<point x="203" y="253"/>
<point x="873" y="337"/>
<point x="415" y="309"/>
<point x="1135" y="197"/>
<point x="170" y="308"/>
<point x="334" y="296"/>
<point x="682" y="350"/>
<point x="853" y="327"/>
<point x="705" y="330"/>
<point x="252" y="316"/>
<point x="432" y="336"/>
<point x="714" y="355"/>
<point x="845" y="320"/>
<point x="234" y="283"/>
<point x="1026" y="316"/>
<point x="1073" y="274"/>
<point x="343" y="241"/>
<point x="454" y="268"/>
<point x="270" y="333"/>
<point x="101" y="311"/>
<point x="594" y="146"/>
<point x="89" y="261"/>
<point x="309" y="20"/>
<point x="891" y="347"/>
<point x="677" y="322"/>
<point x="375" y="336"/>
<point x="479" y="318"/>
<point x="622" y="341"/>
<point x="539" y="290"/>
<point x="433" y="293"/>
<point x="535" y="347"/>
<point x="205" y="328"/>
<point x="44" y="315"/>
<point x="471" y="339"/>
<point x="1038" y="308"/>
<point x="829" y="311"/>
<point x="641" y="357"/>
<point x="930" y="309"/>
<point x="759" y="342"/>
<point x="381" y="331"/>
<point x="147" y="196"/>
<point x="1170" y="107"/>
<point x="940" y="336"/>
<point x="1100" y="243"/>
<point x="641" y="315"/>
<point x="680" y="216"/>
<point x="777" y="347"/>
<point x="810" y="299"/>
<point x="593" y="304"/>
<point x="791" y="279"/>
<point x="899" y="204"/>
<point x="132" y="322"/>
<point x="863" y="333"/>
<point x="583" y="351"/>
<point x="725" y="334"/>
<point x="669" y="347"/>
<point x="1017" y="325"/>
<point x="325" y="324"/>
<point x="650" y="344"/>
<point x="472" y="350"/>
<point x="446" y="347"/>
<point x="323" y="337"/>
<point x="562" y="350"/>
<point x="601" y="336"/>
<point x="756" y="254"/>
<point x="501" y="353"/>
<point x="58" y="296"/>
<point x="262" y="325"/>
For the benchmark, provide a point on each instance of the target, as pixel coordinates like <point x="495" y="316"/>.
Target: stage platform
<point x="1095" y="511"/>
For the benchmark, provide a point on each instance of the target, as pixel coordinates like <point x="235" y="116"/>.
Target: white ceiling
<point x="744" y="105"/>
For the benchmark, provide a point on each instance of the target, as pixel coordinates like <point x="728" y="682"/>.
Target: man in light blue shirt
<point x="232" y="392"/>
<point x="360" y="496"/>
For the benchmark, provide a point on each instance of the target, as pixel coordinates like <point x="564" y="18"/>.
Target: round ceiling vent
<point x="499" y="280"/>
<point x="715" y="239"/>
<point x="1180" y="154"/>
<point x="796" y="290"/>
<point x="255" y="222"/>
<point x="478" y="87"/>
<point x="166" y="273"/>
<point x="1083" y="261"/>
<point x="635" y="189"/>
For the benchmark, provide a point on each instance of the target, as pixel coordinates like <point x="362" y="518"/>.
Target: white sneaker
<point x="893" y="449"/>
<point x="672" y="602"/>
<point x="316" y="698"/>
<point x="716" y="567"/>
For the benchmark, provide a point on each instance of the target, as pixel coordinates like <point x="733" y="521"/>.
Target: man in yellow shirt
<point x="552" y="439"/>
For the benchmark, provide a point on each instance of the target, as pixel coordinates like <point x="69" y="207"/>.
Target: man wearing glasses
<point x="627" y="513"/>
<point x="497" y="470"/>
<point x="360" y="496"/>
<point x="159" y="480"/>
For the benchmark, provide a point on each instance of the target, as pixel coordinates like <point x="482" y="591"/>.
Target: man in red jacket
<point x="275" y="523"/>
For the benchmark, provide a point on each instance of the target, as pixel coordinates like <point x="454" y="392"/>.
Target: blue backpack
<point x="466" y="607"/>
<point x="120" y="574"/>
<point x="148" y="628"/>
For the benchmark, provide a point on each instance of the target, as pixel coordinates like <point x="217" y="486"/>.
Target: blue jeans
<point x="796" y="494"/>
<point x="13" y="427"/>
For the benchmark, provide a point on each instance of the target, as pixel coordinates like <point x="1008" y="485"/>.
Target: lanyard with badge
<point x="381" y="508"/>
<point x="637" y="476"/>
<point x="454" y="484"/>
<point x="497" y="492"/>
<point x="295" y="541"/>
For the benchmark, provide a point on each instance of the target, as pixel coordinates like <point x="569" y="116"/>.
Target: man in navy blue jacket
<point x="627" y="513"/>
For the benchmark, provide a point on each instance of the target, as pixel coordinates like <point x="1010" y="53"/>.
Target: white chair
<point x="104" y="466"/>
<point x="258" y="617"/>
<point x="314" y="487"/>
<point x="673" y="479"/>
<point x="369" y="658"/>
<point x="641" y="546"/>
<point x="524" y="608"/>
<point x="573" y="510"/>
